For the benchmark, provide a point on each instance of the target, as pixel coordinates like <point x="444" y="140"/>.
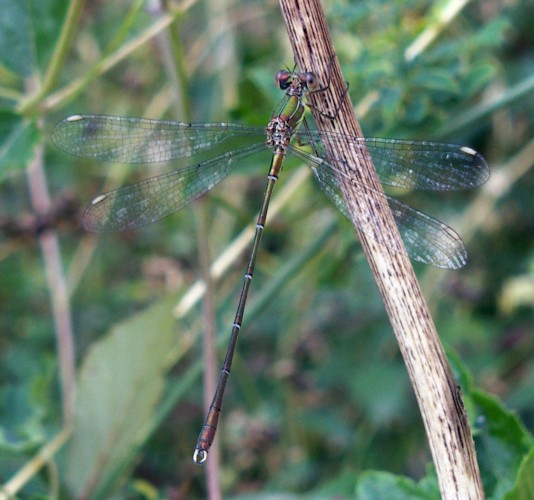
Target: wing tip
<point x="479" y="163"/>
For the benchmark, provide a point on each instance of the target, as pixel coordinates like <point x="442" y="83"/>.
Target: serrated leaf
<point x="502" y="441"/>
<point x="524" y="484"/>
<point x="18" y="138"/>
<point x="120" y="383"/>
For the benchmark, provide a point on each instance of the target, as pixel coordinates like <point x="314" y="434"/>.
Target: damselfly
<point x="400" y="163"/>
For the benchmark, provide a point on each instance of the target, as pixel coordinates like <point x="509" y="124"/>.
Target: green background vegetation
<point x="319" y="397"/>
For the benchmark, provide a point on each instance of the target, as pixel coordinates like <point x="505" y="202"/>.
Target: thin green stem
<point x="10" y="94"/>
<point x="30" y="470"/>
<point x="234" y="251"/>
<point x="293" y="266"/>
<point x="58" y="57"/>
<point x="478" y="113"/>
<point x="176" y="68"/>
<point x="445" y="14"/>
<point x="483" y="208"/>
<point x="287" y="272"/>
<point x="107" y="62"/>
<point x="125" y="28"/>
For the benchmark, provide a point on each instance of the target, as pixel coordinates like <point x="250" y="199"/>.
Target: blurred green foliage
<point x="319" y="400"/>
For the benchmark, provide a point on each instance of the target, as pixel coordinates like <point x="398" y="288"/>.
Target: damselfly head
<point x="309" y="80"/>
<point x="283" y="79"/>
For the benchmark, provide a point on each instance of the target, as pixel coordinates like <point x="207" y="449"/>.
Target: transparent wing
<point x="152" y="199"/>
<point x="426" y="239"/>
<point x="139" y="140"/>
<point x="408" y="164"/>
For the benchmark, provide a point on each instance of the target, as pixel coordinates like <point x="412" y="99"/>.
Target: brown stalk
<point x="437" y="392"/>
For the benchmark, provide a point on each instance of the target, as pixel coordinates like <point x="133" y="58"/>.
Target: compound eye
<point x="310" y="80"/>
<point x="282" y="79"/>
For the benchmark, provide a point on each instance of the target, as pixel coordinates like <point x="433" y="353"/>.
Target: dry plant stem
<point x="436" y="390"/>
<point x="210" y="353"/>
<point x="57" y="286"/>
<point x="174" y="64"/>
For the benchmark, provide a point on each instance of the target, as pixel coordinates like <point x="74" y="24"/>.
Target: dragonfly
<point x="400" y="163"/>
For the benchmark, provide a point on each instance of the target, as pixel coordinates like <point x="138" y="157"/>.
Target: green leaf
<point x="417" y="109"/>
<point x="493" y="33"/>
<point x="391" y="105"/>
<point x="18" y="138"/>
<point x="477" y="77"/>
<point x="120" y="383"/>
<point x="373" y="485"/>
<point x="502" y="441"/>
<point x="9" y="78"/>
<point x="27" y="441"/>
<point x="340" y="487"/>
<point x="524" y="485"/>
<point x="380" y="389"/>
<point x="435" y="79"/>
<point x="28" y="31"/>
<point x="15" y="48"/>
<point x="46" y="18"/>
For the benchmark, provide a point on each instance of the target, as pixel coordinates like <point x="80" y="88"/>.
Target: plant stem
<point x="436" y="389"/>
<point x="66" y="36"/>
<point x="59" y="294"/>
<point x="31" y="468"/>
<point x="176" y="69"/>
<point x="107" y="62"/>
